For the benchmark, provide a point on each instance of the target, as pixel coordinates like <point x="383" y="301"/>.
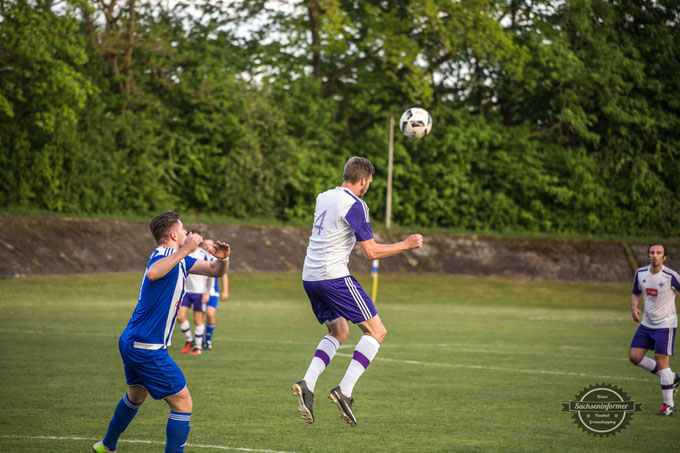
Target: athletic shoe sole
<point x="349" y="418"/>
<point x="304" y="411"/>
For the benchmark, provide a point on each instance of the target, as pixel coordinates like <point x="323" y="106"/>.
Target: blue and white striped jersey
<point x="153" y="319"/>
<point x="340" y="219"/>
<point x="658" y="291"/>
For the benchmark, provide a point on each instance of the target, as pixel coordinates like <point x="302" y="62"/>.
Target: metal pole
<point x="390" y="158"/>
<point x="374" y="273"/>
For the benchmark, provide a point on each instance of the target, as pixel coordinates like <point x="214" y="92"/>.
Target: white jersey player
<point x="658" y="284"/>
<point x="340" y="220"/>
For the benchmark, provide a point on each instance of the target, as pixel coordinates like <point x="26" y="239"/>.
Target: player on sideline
<point x="659" y="284"/>
<point x="143" y="345"/>
<point x="215" y="297"/>
<point x="341" y="220"/>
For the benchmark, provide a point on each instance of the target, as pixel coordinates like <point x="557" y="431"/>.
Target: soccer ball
<point x="415" y="123"/>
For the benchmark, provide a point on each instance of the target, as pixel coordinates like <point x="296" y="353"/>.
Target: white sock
<point x="199" y="336"/>
<point x="666" y="376"/>
<point x="364" y="353"/>
<point x="648" y="364"/>
<point x="186" y="329"/>
<point x="325" y="352"/>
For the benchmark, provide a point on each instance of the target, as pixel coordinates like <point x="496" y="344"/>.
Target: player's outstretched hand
<point x="414" y="241"/>
<point x="221" y="250"/>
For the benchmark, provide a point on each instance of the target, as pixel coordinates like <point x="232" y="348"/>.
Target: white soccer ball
<point x="415" y="123"/>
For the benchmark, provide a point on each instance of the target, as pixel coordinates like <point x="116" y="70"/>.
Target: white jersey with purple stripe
<point x="340" y="219"/>
<point x="659" y="296"/>
<point x="153" y="319"/>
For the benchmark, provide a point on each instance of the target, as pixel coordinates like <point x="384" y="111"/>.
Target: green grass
<point x="468" y="365"/>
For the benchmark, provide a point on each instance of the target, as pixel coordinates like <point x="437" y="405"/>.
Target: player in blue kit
<point x="340" y="220"/>
<point x="143" y="345"/>
<point x="658" y="284"/>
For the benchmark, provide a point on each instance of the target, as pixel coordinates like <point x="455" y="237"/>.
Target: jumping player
<point x="341" y="220"/>
<point x="143" y="345"/>
<point x="659" y="284"/>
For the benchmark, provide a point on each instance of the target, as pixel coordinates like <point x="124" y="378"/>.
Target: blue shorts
<point x="343" y="296"/>
<point x="193" y="299"/>
<point x="659" y="340"/>
<point x="153" y="370"/>
<point x="213" y="302"/>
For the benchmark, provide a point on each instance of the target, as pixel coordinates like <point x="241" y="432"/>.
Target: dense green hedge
<point x="560" y="119"/>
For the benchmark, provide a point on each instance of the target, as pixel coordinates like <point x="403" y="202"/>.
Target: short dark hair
<point x="656" y="243"/>
<point x="161" y="224"/>
<point x="357" y="168"/>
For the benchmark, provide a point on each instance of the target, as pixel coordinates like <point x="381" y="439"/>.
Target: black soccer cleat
<point x="676" y="384"/>
<point x="344" y="404"/>
<point x="305" y="399"/>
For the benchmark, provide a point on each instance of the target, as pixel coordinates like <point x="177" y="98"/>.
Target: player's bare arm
<point x="217" y="268"/>
<point x="374" y="251"/>
<point x="225" y="287"/>
<point x="164" y="265"/>
<point x="635" y="310"/>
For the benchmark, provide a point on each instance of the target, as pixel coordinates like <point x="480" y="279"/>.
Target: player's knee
<point x="340" y="334"/>
<point x="634" y="358"/>
<point x="379" y="334"/>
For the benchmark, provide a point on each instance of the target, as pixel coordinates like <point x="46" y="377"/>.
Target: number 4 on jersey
<point x="318" y="223"/>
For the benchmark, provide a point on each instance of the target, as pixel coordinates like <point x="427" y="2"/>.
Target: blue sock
<point x="208" y="331"/>
<point x="122" y="416"/>
<point x="177" y="431"/>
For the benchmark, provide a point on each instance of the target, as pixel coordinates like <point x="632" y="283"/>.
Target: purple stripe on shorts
<point x="362" y="359"/>
<point x="667" y="387"/>
<point x="320" y="353"/>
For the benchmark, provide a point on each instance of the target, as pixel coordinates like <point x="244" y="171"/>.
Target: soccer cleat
<point x="305" y="399"/>
<point x="676" y="384"/>
<point x="196" y="351"/>
<point x="344" y="404"/>
<point x="99" y="447"/>
<point x="666" y="410"/>
<point x="186" y="347"/>
<point x="208" y="345"/>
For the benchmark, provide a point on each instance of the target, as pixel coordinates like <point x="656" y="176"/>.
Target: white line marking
<point x="152" y="442"/>
<point x="498" y="368"/>
<point x="458" y="347"/>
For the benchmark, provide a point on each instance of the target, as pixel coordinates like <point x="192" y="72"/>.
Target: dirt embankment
<point x="43" y="245"/>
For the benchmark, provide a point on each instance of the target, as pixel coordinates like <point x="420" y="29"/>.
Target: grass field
<point x="468" y="365"/>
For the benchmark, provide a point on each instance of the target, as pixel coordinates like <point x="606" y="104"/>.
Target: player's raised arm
<point x="217" y="268"/>
<point x="164" y="265"/>
<point x="374" y="251"/>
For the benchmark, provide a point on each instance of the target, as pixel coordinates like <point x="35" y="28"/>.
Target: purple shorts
<point x="195" y="300"/>
<point x="659" y="340"/>
<point x="343" y="296"/>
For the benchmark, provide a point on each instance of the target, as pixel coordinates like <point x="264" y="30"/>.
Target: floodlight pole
<point x="390" y="159"/>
